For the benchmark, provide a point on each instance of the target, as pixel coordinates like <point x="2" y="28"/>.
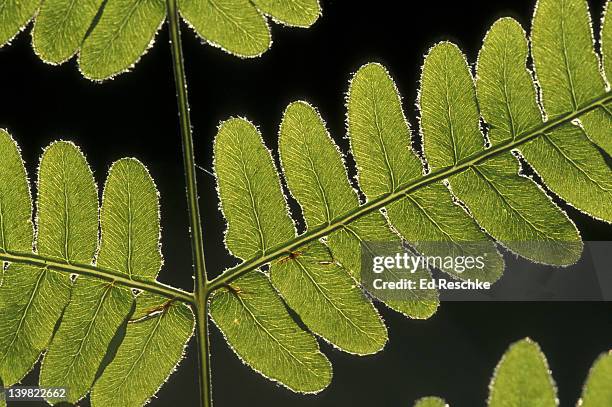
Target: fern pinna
<point x="74" y="294"/>
<point x="523" y="377"/>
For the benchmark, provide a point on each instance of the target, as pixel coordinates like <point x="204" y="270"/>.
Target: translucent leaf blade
<point x="255" y="208"/>
<point x="567" y="66"/>
<point x="130" y="221"/>
<point x="380" y="138"/>
<point x="235" y="26"/>
<point x="67" y="205"/>
<point x="377" y="129"/>
<point x="597" y="391"/>
<point x="96" y="310"/>
<point x="328" y="300"/>
<point x="449" y="113"/>
<point x="154" y="344"/>
<point x="31" y="300"/>
<point x="511" y="208"/>
<point x="125" y="31"/>
<point x="569" y="164"/>
<point x="67" y="230"/>
<point x="16" y="229"/>
<point x="522" y="378"/>
<point x="130" y="245"/>
<point x="14" y="16"/>
<point x="430" y="402"/>
<point x="61" y="26"/>
<point x="316" y="176"/>
<point x="249" y="190"/>
<point x="299" y="13"/>
<point x="257" y="326"/>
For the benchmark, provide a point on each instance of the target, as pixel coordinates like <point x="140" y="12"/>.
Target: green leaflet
<point x="31" y="301"/>
<point x="159" y="329"/>
<point x="597" y="391"/>
<point x="511" y="208"/>
<point x="245" y="169"/>
<point x="16" y="232"/>
<point x="522" y="378"/>
<point x="67" y="229"/>
<point x="567" y="66"/>
<point x="95" y="311"/>
<point x="257" y="326"/>
<point x="61" y="26"/>
<point x="380" y="137"/>
<point x="569" y="164"/>
<point x="314" y="169"/>
<point x="606" y="41"/>
<point x="112" y="35"/>
<point x="300" y="13"/>
<point x="258" y="220"/>
<point x="328" y="301"/>
<point x="235" y="26"/>
<point x="14" y="16"/>
<point x="67" y="205"/>
<point x="129" y="219"/>
<point x="430" y="402"/>
<point x="153" y="344"/>
<point x="125" y="31"/>
<point x="129" y="244"/>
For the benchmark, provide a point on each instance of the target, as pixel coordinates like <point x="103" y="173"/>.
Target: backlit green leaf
<point x="569" y="164"/>
<point x="67" y="205"/>
<point x="68" y="230"/>
<point x="256" y="325"/>
<point x="328" y="300"/>
<point x="509" y="207"/>
<point x="31" y="301"/>
<point x="316" y="176"/>
<point x="129" y="218"/>
<point x="95" y="311"/>
<point x="126" y="29"/>
<point x="14" y="16"/>
<point x="430" y="402"/>
<point x="597" y="390"/>
<point x="522" y="378"/>
<point x="129" y="244"/>
<point x="380" y="141"/>
<point x="235" y="26"/>
<point x="567" y="66"/>
<point x="61" y="26"/>
<point x="16" y="232"/>
<point x="301" y="13"/>
<point x="255" y="207"/>
<point x="153" y="345"/>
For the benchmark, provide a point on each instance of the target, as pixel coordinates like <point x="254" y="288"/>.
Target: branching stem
<point x="197" y="241"/>
<point x="98" y="272"/>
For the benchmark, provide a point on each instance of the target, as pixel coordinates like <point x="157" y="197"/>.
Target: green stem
<point x="384" y="200"/>
<point x="197" y="240"/>
<point x="98" y="272"/>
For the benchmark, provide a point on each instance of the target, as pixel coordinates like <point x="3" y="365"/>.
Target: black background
<point x="451" y="355"/>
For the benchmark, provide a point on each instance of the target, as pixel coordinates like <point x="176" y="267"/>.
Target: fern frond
<point x="111" y="36"/>
<point x="80" y="319"/>
<point x="466" y="187"/>
<point x="522" y="378"/>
